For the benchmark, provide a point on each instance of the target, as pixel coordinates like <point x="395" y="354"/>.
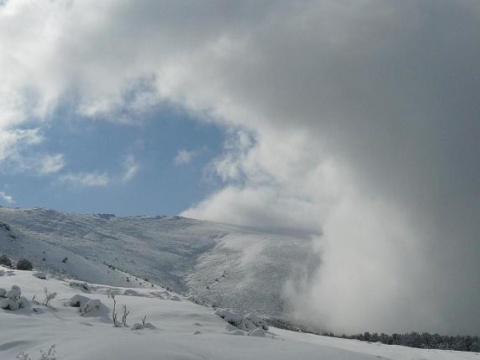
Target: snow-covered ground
<point x="179" y="329"/>
<point x="220" y="264"/>
<point x="155" y="266"/>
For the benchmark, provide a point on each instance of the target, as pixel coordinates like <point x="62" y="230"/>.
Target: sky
<point x="353" y="121"/>
<point x="101" y="167"/>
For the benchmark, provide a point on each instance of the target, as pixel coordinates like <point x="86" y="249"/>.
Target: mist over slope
<point x="220" y="264"/>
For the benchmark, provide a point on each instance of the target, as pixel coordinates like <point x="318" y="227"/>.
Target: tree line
<point x="420" y="340"/>
<point x="412" y="339"/>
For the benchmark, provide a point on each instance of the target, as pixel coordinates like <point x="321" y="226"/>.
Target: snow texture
<point x="228" y="266"/>
<point x="183" y="330"/>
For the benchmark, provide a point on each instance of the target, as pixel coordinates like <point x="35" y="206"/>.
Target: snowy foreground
<point x="175" y="328"/>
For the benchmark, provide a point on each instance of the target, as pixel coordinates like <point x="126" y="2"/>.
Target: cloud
<point x="22" y="161"/>
<point x="94" y="179"/>
<point x="367" y="95"/>
<point x="14" y="141"/>
<point x="355" y="121"/>
<point x="16" y="155"/>
<point x="184" y="157"/>
<point x="131" y="167"/>
<point x="6" y="198"/>
<point x="50" y="164"/>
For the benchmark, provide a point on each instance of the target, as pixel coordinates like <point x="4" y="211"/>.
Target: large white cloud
<point x="355" y="119"/>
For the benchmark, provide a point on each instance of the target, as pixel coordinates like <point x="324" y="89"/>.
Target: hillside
<point x="219" y="264"/>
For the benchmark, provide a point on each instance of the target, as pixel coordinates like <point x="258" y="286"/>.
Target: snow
<point x="78" y="301"/>
<point x="158" y="271"/>
<point x="13" y="299"/>
<point x="176" y="330"/>
<point x="243" y="322"/>
<point x="229" y="266"/>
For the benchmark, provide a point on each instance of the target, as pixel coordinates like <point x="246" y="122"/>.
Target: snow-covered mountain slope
<point x="179" y="329"/>
<point x="221" y="264"/>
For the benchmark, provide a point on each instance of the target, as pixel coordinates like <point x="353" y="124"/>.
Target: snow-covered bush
<point x="90" y="308"/>
<point x="24" y="264"/>
<point x="257" y="321"/>
<point x="149" y="326"/>
<point x="87" y="307"/>
<point x="143" y="325"/>
<point x="81" y="286"/>
<point x="48" y="297"/>
<point x="78" y="301"/>
<point x="40" y="275"/>
<point x="14" y="293"/>
<point x="44" y="355"/>
<point x="243" y="322"/>
<point x="46" y="300"/>
<point x="137" y="326"/>
<point x="117" y="323"/>
<point x="13" y="299"/>
<point x="5" y="261"/>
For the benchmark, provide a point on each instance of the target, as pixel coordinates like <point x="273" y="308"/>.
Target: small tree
<point x="5" y="261"/>
<point x="48" y="297"/>
<point x="114" y="312"/>
<point x="124" y="316"/>
<point x="24" y="264"/>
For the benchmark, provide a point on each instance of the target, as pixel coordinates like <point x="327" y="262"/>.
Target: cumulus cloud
<point x="6" y="198"/>
<point x="355" y="121"/>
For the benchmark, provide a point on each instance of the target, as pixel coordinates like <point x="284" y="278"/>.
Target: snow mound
<point x="259" y="332"/>
<point x="243" y="322"/>
<point x="14" y="293"/>
<point x="92" y="308"/>
<point x="138" y="326"/>
<point x="40" y="275"/>
<point x="78" y="301"/>
<point x="232" y="330"/>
